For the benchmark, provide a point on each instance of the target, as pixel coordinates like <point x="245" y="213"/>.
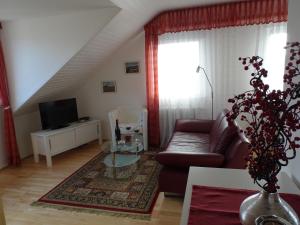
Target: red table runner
<point x="220" y="206"/>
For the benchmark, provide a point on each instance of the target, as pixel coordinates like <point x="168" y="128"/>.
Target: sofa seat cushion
<point x="187" y="159"/>
<point x="196" y="147"/>
<point x="186" y="154"/>
<point x="185" y="137"/>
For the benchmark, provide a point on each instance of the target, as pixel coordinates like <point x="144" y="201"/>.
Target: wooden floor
<point x="21" y="186"/>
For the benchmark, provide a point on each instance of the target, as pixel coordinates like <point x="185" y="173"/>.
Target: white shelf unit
<point x="53" y="142"/>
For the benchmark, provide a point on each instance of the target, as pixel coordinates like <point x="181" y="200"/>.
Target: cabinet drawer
<point x="86" y="133"/>
<point x="61" y="142"/>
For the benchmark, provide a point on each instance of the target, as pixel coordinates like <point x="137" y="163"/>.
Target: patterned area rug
<point x="97" y="188"/>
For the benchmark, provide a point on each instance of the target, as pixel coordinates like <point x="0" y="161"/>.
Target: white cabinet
<point x="61" y="142"/>
<point x="53" y="142"/>
<point x="86" y="133"/>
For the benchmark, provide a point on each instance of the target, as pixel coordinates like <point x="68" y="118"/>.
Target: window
<point x="179" y="84"/>
<point x="177" y="71"/>
<point x="183" y="93"/>
<point x="275" y="60"/>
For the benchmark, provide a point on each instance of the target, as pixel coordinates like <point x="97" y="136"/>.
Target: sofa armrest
<point x="196" y="126"/>
<point x="187" y="159"/>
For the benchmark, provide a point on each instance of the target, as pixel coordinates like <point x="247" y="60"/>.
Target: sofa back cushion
<point x="218" y="121"/>
<point x="236" y="152"/>
<point x="193" y="125"/>
<point x="222" y="134"/>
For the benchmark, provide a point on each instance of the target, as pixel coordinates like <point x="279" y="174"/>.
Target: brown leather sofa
<point x="203" y="143"/>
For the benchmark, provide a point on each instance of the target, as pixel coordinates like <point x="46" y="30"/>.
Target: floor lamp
<point x="211" y="88"/>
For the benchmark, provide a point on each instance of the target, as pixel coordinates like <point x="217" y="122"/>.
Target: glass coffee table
<point x="123" y="154"/>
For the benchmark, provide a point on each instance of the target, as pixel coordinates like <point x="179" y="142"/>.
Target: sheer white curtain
<point x="185" y="94"/>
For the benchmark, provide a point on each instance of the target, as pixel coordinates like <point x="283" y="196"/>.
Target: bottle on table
<point x="117" y="131"/>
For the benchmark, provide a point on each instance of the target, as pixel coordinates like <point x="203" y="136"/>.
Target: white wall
<point x="294" y="35"/>
<point x="35" y="49"/>
<point x="131" y="88"/>
<point x="25" y="124"/>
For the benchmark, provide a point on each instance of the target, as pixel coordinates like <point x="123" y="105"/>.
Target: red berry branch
<point x="272" y="118"/>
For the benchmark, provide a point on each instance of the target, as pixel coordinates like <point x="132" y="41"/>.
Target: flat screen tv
<point x="58" y="114"/>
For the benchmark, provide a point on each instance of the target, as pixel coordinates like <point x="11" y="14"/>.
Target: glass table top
<point x="133" y="148"/>
<point x="120" y="160"/>
<point x="123" y="154"/>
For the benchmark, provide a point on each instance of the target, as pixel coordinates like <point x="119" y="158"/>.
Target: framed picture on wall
<point x="109" y="86"/>
<point x="132" y="67"/>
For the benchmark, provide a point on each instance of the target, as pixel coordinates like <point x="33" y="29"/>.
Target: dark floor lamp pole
<point x="211" y="88"/>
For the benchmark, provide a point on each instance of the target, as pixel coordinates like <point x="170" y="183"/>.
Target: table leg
<point x="35" y="149"/>
<point x="114" y="165"/>
<point x="114" y="173"/>
<point x="49" y="160"/>
<point x="114" y="159"/>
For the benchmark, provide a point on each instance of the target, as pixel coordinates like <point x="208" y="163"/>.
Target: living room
<point x="95" y="51"/>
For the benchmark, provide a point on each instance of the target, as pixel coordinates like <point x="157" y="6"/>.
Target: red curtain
<point x="9" y="128"/>
<point x="151" y="47"/>
<point x="200" y="18"/>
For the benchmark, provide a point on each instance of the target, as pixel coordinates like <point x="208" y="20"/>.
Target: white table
<point x="227" y="178"/>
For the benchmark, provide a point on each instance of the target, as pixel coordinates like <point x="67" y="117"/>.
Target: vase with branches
<point x="272" y="120"/>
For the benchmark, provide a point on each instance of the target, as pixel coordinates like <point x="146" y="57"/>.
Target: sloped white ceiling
<point x="24" y="9"/>
<point x="128" y="22"/>
<point x="36" y="49"/>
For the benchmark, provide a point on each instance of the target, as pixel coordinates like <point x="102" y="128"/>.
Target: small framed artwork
<point x="132" y="67"/>
<point x="109" y="86"/>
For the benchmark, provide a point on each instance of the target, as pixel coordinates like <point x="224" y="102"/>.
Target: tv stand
<point x="53" y="142"/>
<point x="59" y="127"/>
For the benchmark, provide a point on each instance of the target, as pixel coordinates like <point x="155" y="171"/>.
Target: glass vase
<point x="267" y="204"/>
